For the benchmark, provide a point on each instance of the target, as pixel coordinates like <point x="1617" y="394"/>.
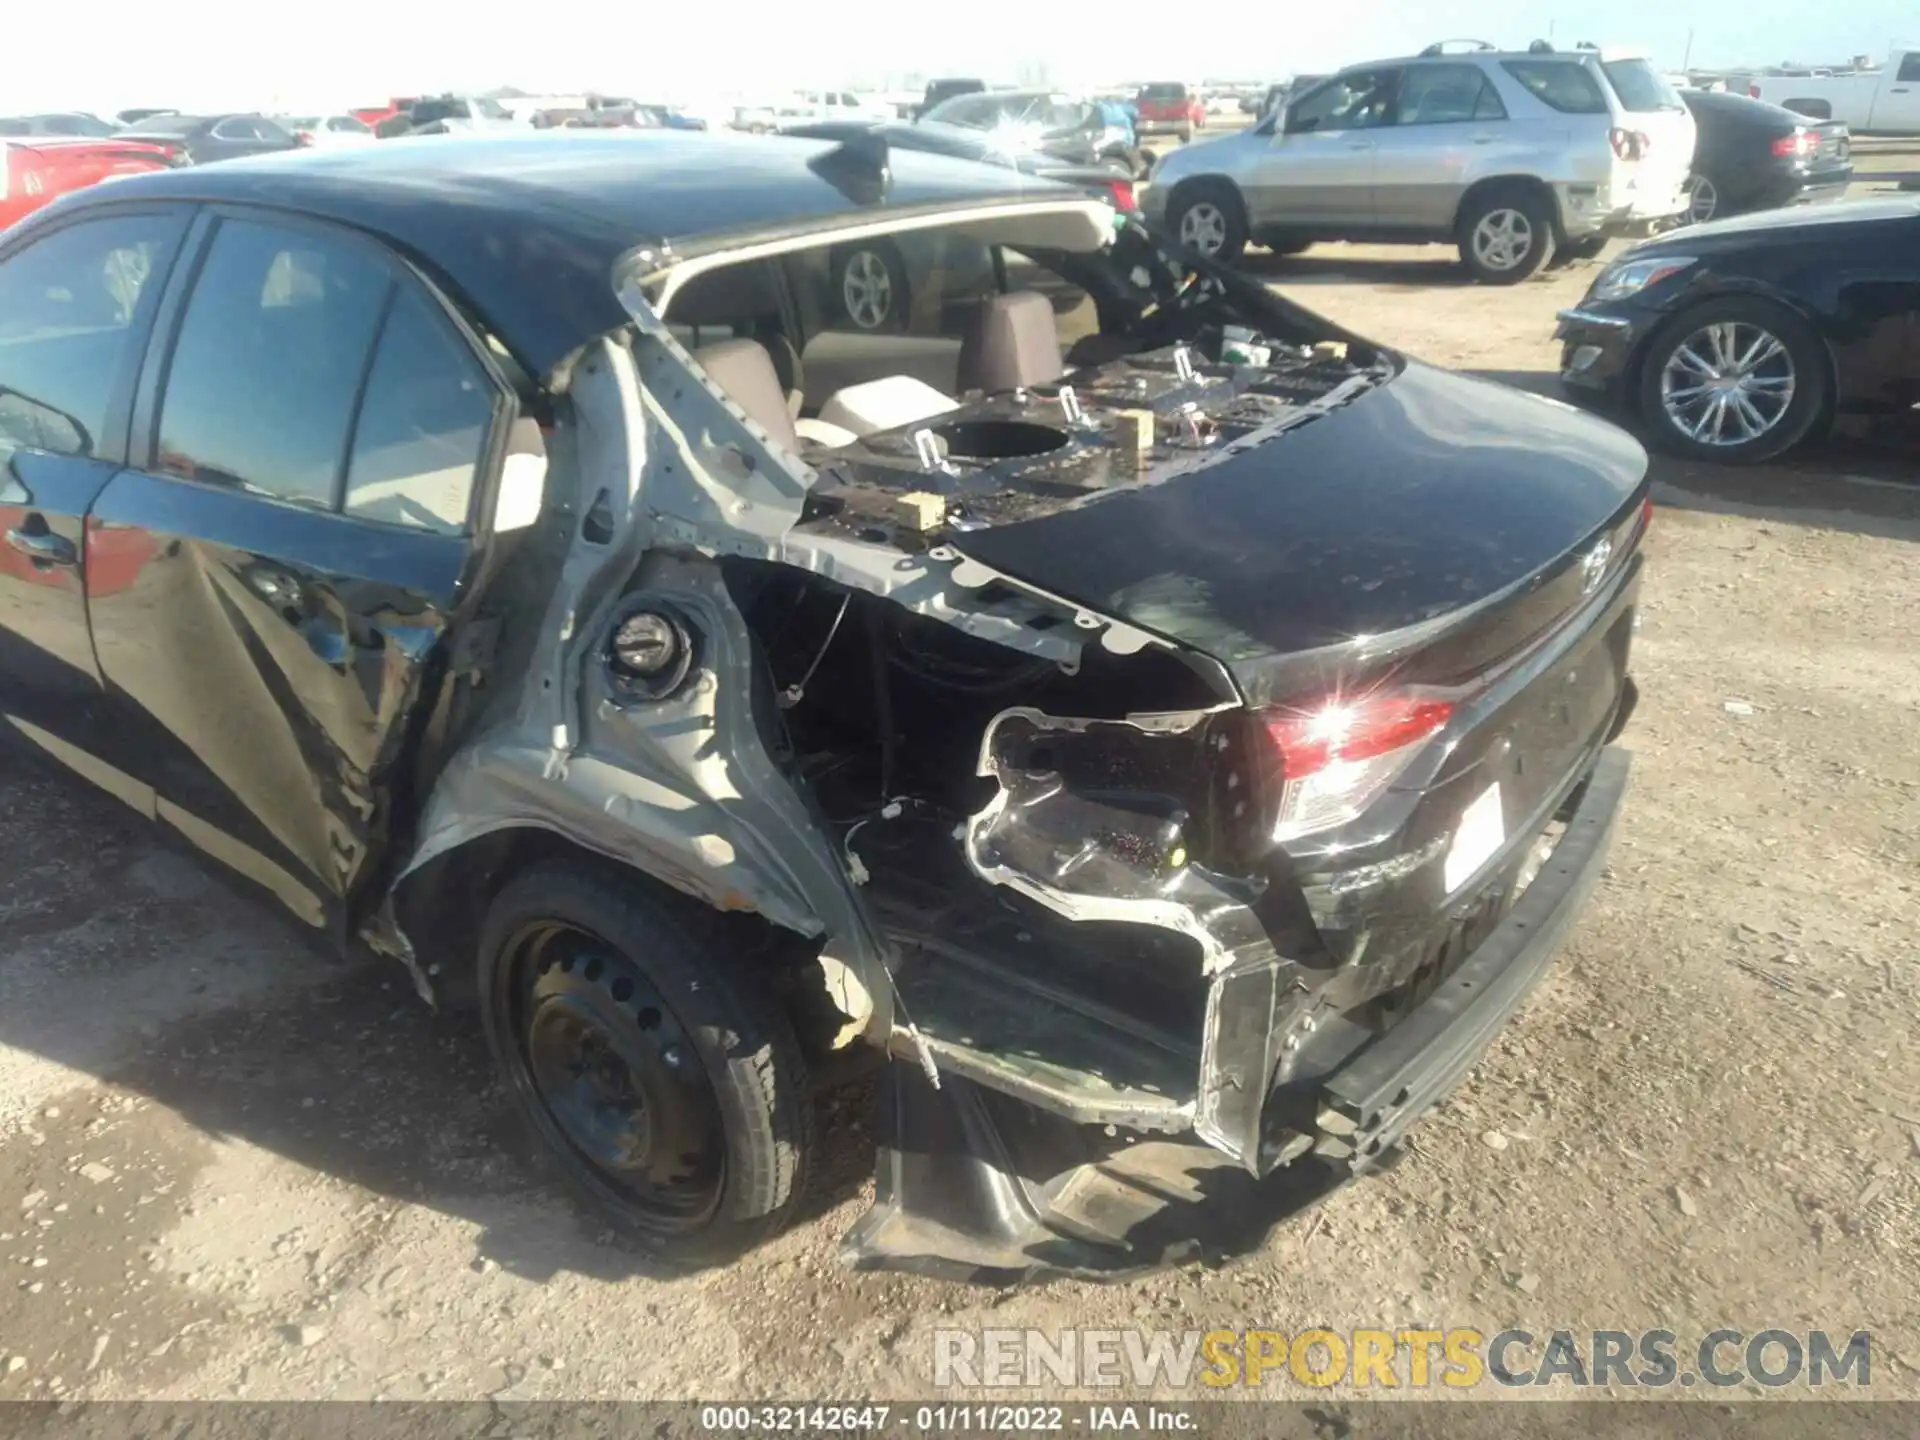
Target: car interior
<point x="968" y="317"/>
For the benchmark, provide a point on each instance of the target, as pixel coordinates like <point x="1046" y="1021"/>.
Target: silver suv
<point x="1514" y="156"/>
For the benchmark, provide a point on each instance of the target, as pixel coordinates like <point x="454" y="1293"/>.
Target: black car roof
<point x="528" y="228"/>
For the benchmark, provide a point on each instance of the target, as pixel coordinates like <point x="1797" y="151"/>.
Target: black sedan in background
<point x="1109" y="179"/>
<point x="201" y="139"/>
<point x="1754" y="156"/>
<point x="1736" y="340"/>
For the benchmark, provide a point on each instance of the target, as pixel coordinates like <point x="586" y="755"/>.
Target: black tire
<point x="596" y="994"/>
<point x="1809" y="391"/>
<point x="1186" y="134"/>
<point x="867" y="265"/>
<point x="1229" y="213"/>
<point x="1287" y="244"/>
<point x="1706" y="200"/>
<point x="1526" y="212"/>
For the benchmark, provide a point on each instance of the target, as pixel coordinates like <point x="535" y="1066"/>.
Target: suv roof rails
<point x="1439" y="47"/>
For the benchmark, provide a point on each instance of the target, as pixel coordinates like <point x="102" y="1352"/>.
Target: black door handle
<point x="44" y="546"/>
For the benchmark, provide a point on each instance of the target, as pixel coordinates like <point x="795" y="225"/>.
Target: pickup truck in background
<point x="1871" y="102"/>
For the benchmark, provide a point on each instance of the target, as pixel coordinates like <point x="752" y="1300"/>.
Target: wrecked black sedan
<point x="1169" y="733"/>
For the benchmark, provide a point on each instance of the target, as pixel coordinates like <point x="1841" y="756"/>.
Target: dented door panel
<point x="264" y="664"/>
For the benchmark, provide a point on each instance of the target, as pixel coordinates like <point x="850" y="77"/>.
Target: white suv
<point x="1513" y="155"/>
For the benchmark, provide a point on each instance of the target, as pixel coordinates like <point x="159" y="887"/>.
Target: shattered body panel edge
<point x="682" y="789"/>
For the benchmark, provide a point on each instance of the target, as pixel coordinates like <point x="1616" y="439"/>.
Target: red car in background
<point x="392" y="118"/>
<point x="1168" y="106"/>
<point x="37" y="171"/>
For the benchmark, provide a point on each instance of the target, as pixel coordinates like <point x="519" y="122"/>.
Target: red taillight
<point x="1122" y="193"/>
<point x="1629" y="144"/>
<point x="1753" y="92"/>
<point x="1796" y="145"/>
<point x="1344" y="732"/>
<point x="1646" y="514"/>
<point x="1336" y="759"/>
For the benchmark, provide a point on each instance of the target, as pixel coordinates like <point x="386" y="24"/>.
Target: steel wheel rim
<point x="1728" y="383"/>
<point x="1702" y="199"/>
<point x="867" y="290"/>
<point x="1204" y="227"/>
<point x="1503" y="239"/>
<point x="614" y="1077"/>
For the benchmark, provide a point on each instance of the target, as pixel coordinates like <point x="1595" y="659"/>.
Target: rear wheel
<point x="1207" y="216"/>
<point x="1735" y="380"/>
<point x="1703" y="200"/>
<point x="649" y="1061"/>
<point x="1506" y="236"/>
<point x="871" y="283"/>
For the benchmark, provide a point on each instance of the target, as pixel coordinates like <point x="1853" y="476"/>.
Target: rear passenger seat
<point x="1013" y="344"/>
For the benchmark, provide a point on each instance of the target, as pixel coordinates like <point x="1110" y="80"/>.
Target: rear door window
<point x="1563" y="85"/>
<point x="71" y="308"/>
<point x="1641" y="88"/>
<point x="267" y="369"/>
<point x="423" y="426"/>
<point x="1447" y="95"/>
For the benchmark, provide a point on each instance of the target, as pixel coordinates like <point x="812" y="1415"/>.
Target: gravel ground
<point x="230" y="1166"/>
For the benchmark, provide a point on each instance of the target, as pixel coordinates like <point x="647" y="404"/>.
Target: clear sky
<point x="239" y="54"/>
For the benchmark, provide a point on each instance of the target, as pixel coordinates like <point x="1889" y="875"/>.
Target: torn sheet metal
<point x="682" y="789"/>
<point x="1082" y="853"/>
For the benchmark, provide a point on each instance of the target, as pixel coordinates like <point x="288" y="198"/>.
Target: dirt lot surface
<point x="231" y="1167"/>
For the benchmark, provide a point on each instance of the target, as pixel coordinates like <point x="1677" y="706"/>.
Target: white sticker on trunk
<point x="1483" y="830"/>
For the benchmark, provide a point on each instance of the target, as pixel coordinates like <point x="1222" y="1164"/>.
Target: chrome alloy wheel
<point x="1204" y="227"/>
<point x="1503" y="239"/>
<point x="1727" y="384"/>
<point x="866" y="288"/>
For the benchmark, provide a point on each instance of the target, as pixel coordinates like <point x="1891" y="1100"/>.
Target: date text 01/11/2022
<point x="942" y="1419"/>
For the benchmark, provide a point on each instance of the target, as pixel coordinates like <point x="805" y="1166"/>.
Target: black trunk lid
<point x="1435" y="516"/>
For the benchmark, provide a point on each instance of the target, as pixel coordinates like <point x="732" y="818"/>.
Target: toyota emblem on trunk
<point x="1593" y="566"/>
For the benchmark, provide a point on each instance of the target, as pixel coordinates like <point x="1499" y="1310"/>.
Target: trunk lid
<point x="1435" y="515"/>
